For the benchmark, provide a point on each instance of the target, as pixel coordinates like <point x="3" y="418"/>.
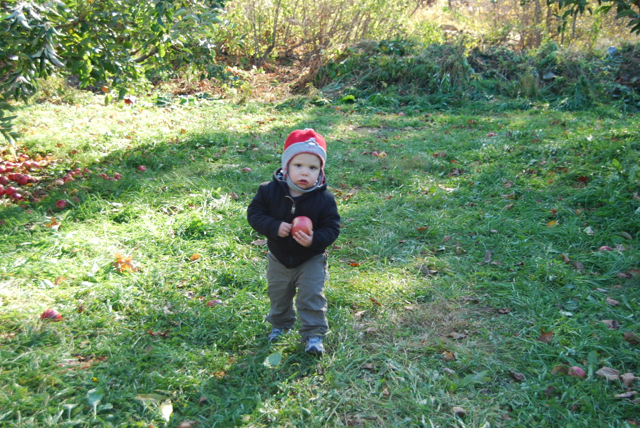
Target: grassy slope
<point x="395" y="328"/>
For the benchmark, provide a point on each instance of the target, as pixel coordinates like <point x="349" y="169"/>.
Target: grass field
<point x="467" y="279"/>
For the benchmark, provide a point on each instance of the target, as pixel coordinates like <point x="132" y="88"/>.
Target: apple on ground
<point x="214" y="302"/>
<point x="383" y="154"/>
<point x="51" y="314"/>
<point x="61" y="204"/>
<point x="3" y="180"/>
<point x="301" y="223"/>
<point x="375" y="154"/>
<point x="605" y="248"/>
<point x="142" y="168"/>
<point x="577" y="372"/>
<point x="10" y="190"/>
<point x="246" y="169"/>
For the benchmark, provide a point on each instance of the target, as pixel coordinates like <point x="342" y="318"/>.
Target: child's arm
<point x="259" y="218"/>
<point x="327" y="227"/>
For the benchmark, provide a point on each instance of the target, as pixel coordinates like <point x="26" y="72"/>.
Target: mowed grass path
<point x="466" y="280"/>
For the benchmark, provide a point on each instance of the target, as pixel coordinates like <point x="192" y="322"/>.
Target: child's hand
<point x="303" y="239"/>
<point x="284" y="230"/>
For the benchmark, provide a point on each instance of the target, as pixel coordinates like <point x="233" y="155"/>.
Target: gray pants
<point x="308" y="279"/>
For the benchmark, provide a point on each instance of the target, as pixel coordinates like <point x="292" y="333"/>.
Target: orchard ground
<point x="486" y="259"/>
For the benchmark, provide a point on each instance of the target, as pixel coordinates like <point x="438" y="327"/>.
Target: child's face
<point x="304" y="170"/>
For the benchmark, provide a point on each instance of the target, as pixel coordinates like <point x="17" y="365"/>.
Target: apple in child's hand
<point x="51" y="314"/>
<point x="303" y="224"/>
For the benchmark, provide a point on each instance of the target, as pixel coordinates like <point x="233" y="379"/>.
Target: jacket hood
<point x="278" y="176"/>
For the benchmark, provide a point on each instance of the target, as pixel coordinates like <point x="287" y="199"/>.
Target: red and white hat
<point x="303" y="141"/>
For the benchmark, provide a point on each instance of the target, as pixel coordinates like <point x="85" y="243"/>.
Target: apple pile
<point x="15" y="175"/>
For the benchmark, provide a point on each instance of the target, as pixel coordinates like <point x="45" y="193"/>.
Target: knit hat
<point x="303" y="141"/>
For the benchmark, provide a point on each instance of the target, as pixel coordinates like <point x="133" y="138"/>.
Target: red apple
<point x="117" y="176"/>
<point x="605" y="248"/>
<point x="214" y="302"/>
<point x="303" y="224"/>
<point x="10" y="190"/>
<point x="2" y="190"/>
<point x="491" y="134"/>
<point x="246" y="169"/>
<point x="142" y="168"/>
<point x="15" y="197"/>
<point x="577" y="372"/>
<point x="375" y="154"/>
<point x="3" y="180"/>
<point x="61" y="204"/>
<point x="23" y="179"/>
<point x="383" y="154"/>
<point x="2" y="170"/>
<point x="51" y="314"/>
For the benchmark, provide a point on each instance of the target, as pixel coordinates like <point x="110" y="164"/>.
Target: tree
<point x="102" y="42"/>
<point x="627" y="9"/>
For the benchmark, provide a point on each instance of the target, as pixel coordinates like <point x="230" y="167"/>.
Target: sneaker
<point x="314" y="346"/>
<point x="276" y="333"/>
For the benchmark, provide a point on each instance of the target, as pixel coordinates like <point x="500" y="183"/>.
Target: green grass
<point x="479" y="215"/>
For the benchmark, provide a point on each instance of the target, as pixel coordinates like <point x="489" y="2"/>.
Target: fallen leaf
<point x="460" y="250"/>
<point x="609" y="373"/>
<point x="375" y="302"/>
<point x="459" y="411"/>
<point x="53" y="223"/>
<point x="624" y="275"/>
<point x="123" y="264"/>
<point x="371" y="330"/>
<point x="517" y="376"/>
<point x="631" y="337"/>
<point x="202" y="400"/>
<point x="166" y="410"/>
<point x="448" y="370"/>
<point x="507" y="184"/>
<point x="448" y="356"/>
<point x="629" y="394"/>
<point x="422" y="228"/>
<point x="509" y="196"/>
<point x="259" y="242"/>
<point x="187" y="424"/>
<point x="359" y="314"/>
<point x="509" y="206"/>
<point x="560" y="369"/>
<point x="425" y="270"/>
<point x="583" y="179"/>
<point x="589" y="231"/>
<point x="552" y="223"/>
<point x="368" y="366"/>
<point x="627" y="379"/>
<point x="578" y="266"/>
<point x="457" y="336"/>
<point x="504" y="310"/>
<point x="545" y="337"/>
<point x="354" y="264"/>
<point x="565" y="258"/>
<point x="487" y="257"/>
<point x="194" y="257"/>
<point x="612" y="324"/>
<point x="385" y="392"/>
<point x="612" y="302"/>
<point x="446" y="238"/>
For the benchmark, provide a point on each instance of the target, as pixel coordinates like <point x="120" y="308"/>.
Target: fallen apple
<point x="51" y="314"/>
<point x="2" y="190"/>
<point x="105" y="89"/>
<point x="3" y="180"/>
<point x="246" y="169"/>
<point x="15" y="197"/>
<point x="577" y="372"/>
<point x="58" y="182"/>
<point x="383" y="154"/>
<point x="491" y="134"/>
<point x="117" y="176"/>
<point x="375" y="154"/>
<point x="214" y="302"/>
<point x="10" y="190"/>
<point x="23" y="179"/>
<point x="301" y="224"/>
<point x="142" y="168"/>
<point x="61" y="204"/>
<point x="605" y="248"/>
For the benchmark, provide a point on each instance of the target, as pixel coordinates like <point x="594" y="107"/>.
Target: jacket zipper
<point x="293" y="204"/>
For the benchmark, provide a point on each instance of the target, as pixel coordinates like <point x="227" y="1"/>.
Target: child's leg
<point x="281" y="292"/>
<point x="311" y="302"/>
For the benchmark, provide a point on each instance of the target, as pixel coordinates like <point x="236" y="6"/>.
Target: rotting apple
<point x="51" y="314"/>
<point x="301" y="224"/>
<point x="577" y="372"/>
<point x="61" y="204"/>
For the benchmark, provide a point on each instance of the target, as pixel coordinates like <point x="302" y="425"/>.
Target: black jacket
<point x="272" y="205"/>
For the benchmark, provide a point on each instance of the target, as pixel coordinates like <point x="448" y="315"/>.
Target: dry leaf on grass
<point x="629" y="395"/>
<point x="612" y="302"/>
<point x="612" y="324"/>
<point x="259" y="242"/>
<point x="123" y="264"/>
<point x="627" y="379"/>
<point x="448" y="356"/>
<point x="459" y="411"/>
<point x="609" y="374"/>
<point x="517" y="376"/>
<point x="457" y="336"/>
<point x="545" y="337"/>
<point x="631" y="337"/>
